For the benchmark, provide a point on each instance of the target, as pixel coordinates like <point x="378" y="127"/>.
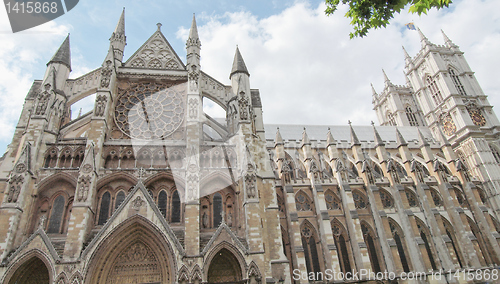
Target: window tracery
<point x="359" y="200"/>
<point x="412" y="118"/>
<point x="310" y="249"/>
<point x="436" y="198"/>
<point x="302" y="202"/>
<point x="332" y="201"/>
<point x="434" y="90"/>
<point x="412" y="198"/>
<point x="386" y="198"/>
<point x="456" y="81"/>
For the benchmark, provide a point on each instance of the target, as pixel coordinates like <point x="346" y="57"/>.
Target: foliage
<point x="368" y="14"/>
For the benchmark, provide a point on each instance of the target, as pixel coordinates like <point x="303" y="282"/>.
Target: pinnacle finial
<point x="442" y="138"/>
<point x="447" y="40"/>
<point x="279" y="139"/>
<point x="407" y="56"/>
<point x="423" y="39"/>
<point x="421" y="137"/>
<point x="159" y="26"/>
<point x="193" y="32"/>
<point x="120" y="26"/>
<point x="373" y="90"/>
<point x="329" y="138"/>
<point x="400" y="139"/>
<point x="63" y="54"/>
<point x="354" y="137"/>
<point x="378" y="139"/>
<point x="305" y="138"/>
<point x="238" y="64"/>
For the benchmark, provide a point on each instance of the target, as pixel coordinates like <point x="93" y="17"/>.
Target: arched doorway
<point x="224" y="268"/>
<point x="135" y="252"/>
<point x="33" y="271"/>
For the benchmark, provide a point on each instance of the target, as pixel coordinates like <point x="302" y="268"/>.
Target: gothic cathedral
<point x="147" y="188"/>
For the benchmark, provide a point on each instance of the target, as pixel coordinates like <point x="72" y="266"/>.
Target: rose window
<point x="149" y="111"/>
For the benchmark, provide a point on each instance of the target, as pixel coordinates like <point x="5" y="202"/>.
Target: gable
<point x="156" y="53"/>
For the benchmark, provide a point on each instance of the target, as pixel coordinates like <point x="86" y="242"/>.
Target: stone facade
<point x="147" y="188"/>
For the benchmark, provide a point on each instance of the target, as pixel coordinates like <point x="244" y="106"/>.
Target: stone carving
<point x="87" y="168"/>
<point x="15" y="184"/>
<point x="136" y="264"/>
<point x="100" y="105"/>
<point x="43" y="101"/>
<point x="106" y="73"/>
<point x="250" y="185"/>
<point x="193" y="108"/>
<point x="193" y="77"/>
<point x="20" y="168"/>
<point x="83" y="188"/>
<point x="204" y="219"/>
<point x="41" y="224"/>
<point x="243" y="105"/>
<point x="137" y="203"/>
<point x="156" y="54"/>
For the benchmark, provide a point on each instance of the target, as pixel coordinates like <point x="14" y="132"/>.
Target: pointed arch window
<point x="412" y="118"/>
<point x="56" y="215"/>
<point x="436" y="198"/>
<point x="162" y="203"/>
<point x="176" y="207"/>
<point x="119" y="199"/>
<point x="450" y="232"/>
<point x="302" y="202"/>
<point x="359" y="200"/>
<point x="310" y="249"/>
<point x="386" y="198"/>
<point x="104" y="209"/>
<point x="424" y="235"/>
<point x="412" y="198"/>
<point x="332" y="201"/>
<point x="217" y="209"/>
<point x="397" y="236"/>
<point x="368" y="236"/>
<point x="391" y="119"/>
<point x="434" y="90"/>
<point x="456" y="81"/>
<point x="339" y="236"/>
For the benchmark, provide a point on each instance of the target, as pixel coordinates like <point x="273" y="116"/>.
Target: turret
<point x="59" y="67"/>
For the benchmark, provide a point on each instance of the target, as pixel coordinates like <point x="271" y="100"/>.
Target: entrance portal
<point x="224" y="268"/>
<point x="32" y="271"/>
<point x="136" y="264"/>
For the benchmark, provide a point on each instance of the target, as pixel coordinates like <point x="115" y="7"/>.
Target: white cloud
<point x="310" y="72"/>
<point x="20" y="57"/>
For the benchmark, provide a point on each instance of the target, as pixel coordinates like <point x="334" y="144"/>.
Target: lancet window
<point x="310" y="245"/>
<point x="456" y="81"/>
<point x="434" y="90"/>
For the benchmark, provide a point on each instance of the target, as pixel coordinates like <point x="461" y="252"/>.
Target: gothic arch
<point x="450" y="232"/>
<point x="62" y="278"/>
<point x="341" y="238"/>
<point x="183" y="275"/>
<point x="371" y="240"/>
<point x="312" y="247"/>
<point x="115" y="176"/>
<point x="76" y="278"/>
<point x="50" y="180"/>
<point x="196" y="275"/>
<point x="228" y="249"/>
<point x="34" y="257"/>
<point x="426" y="237"/>
<point x="143" y="239"/>
<point x="399" y="239"/>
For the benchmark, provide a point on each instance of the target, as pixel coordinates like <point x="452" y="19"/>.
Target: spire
<point x="374" y="94"/>
<point x="421" y="137"/>
<point x="329" y="138"/>
<point x="279" y="139"/>
<point x="423" y="39"/>
<point x="386" y="79"/>
<point x="400" y="139"/>
<point x="354" y="137"/>
<point x="193" y="32"/>
<point x="305" y="138"/>
<point x="447" y="40"/>
<point x="407" y="56"/>
<point x="378" y="139"/>
<point x="238" y="64"/>
<point x="120" y="26"/>
<point x="63" y="54"/>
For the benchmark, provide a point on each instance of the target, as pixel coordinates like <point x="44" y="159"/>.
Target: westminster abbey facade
<point x="147" y="188"/>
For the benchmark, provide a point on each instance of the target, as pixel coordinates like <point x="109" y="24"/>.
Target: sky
<point x="306" y="67"/>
